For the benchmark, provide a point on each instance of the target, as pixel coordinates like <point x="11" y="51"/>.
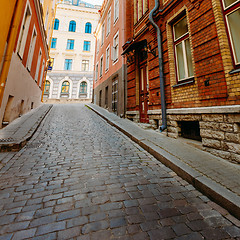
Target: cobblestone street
<point x="80" y="178"/>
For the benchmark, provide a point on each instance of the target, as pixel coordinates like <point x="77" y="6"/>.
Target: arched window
<point x="72" y="26"/>
<point x="83" y="88"/>
<point x="47" y="88"/>
<point x="65" y="87"/>
<point x="56" y="24"/>
<point x="88" y="27"/>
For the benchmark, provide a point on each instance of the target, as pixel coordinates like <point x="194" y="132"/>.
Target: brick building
<point x="110" y="68"/>
<point x="192" y="48"/>
<point x="27" y="54"/>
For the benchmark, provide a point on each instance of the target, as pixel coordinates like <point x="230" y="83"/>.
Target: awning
<point x="135" y="45"/>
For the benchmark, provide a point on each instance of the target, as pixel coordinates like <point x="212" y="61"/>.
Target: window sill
<point x="189" y="81"/>
<point x="235" y="71"/>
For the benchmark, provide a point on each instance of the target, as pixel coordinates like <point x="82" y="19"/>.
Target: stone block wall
<point x="220" y="132"/>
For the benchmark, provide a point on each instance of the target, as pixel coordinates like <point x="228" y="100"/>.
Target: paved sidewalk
<point x="14" y="136"/>
<point x="215" y="177"/>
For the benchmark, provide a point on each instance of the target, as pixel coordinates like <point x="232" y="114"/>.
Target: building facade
<point x="110" y="67"/>
<point x="26" y="57"/>
<point x="72" y="53"/>
<point x="191" y="49"/>
<point x="48" y="13"/>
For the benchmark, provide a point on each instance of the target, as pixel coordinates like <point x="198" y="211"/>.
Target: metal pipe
<point x="160" y="60"/>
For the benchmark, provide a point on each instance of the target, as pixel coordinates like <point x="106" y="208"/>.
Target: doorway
<point x="144" y="93"/>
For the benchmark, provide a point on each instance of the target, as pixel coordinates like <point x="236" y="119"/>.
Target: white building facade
<point x="72" y="52"/>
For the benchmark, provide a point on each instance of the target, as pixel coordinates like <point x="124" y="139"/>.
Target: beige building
<point x="72" y="51"/>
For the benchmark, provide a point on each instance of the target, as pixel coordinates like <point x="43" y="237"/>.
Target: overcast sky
<point x="97" y="2"/>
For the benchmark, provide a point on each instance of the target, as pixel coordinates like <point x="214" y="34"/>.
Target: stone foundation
<point x="219" y="127"/>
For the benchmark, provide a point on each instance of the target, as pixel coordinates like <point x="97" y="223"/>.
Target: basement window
<point x="190" y="130"/>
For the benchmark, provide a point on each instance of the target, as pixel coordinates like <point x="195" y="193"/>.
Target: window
<point x="42" y="74"/>
<point x="38" y="65"/>
<point x="107" y="57"/>
<point x="83" y="88"/>
<point x="54" y="43"/>
<point x="108" y="22"/>
<point x="65" y="87"/>
<point x="103" y="30"/>
<point x="85" y="65"/>
<point x="31" y="49"/>
<point x="182" y="50"/>
<point x="87" y="46"/>
<point x="96" y="72"/>
<point x="115" y="47"/>
<point x="75" y="2"/>
<point x="114" y="95"/>
<point x="116" y="10"/>
<point x="56" y="24"/>
<point x="68" y="64"/>
<point x="47" y="88"/>
<point x="88" y="27"/>
<point x="70" y="44"/>
<point x="101" y="66"/>
<point x="24" y="32"/>
<point x="232" y="16"/>
<point x="140" y="8"/>
<point x="72" y="26"/>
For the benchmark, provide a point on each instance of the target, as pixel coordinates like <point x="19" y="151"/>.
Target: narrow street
<point x="80" y="178"/>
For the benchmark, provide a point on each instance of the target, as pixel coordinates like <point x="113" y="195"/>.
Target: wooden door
<point x="144" y="94"/>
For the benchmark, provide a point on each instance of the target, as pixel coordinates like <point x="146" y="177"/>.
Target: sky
<point x="97" y="2"/>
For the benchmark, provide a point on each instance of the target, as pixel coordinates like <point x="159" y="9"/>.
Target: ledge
<point x="200" y="110"/>
<point x="190" y="81"/>
<point x="235" y="71"/>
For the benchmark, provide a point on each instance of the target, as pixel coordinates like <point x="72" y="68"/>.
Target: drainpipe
<point x="160" y="59"/>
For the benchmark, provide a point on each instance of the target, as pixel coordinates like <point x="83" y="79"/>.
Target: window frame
<point x="108" y="27"/>
<point x="88" y="46"/>
<point x="56" y="24"/>
<point x="102" y="34"/>
<point x="116" y="11"/>
<point x="55" y="42"/>
<point x="176" y="42"/>
<point x="85" y="62"/>
<point x="107" y="64"/>
<point x="88" y="28"/>
<point x="101" y="67"/>
<point x="65" y="92"/>
<point x="227" y="10"/>
<point x="70" y="44"/>
<point x="22" y="37"/>
<point x="114" y="57"/>
<point x="72" y="26"/>
<point x="84" y="87"/>
<point x="69" y="62"/>
<point x="96" y="72"/>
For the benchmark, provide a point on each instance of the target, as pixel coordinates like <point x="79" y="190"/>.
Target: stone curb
<point x="221" y="195"/>
<point x="17" y="144"/>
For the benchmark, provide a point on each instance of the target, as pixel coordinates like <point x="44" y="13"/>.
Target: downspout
<point x="160" y="59"/>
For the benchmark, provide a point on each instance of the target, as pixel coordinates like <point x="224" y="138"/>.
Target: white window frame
<point x="102" y="34"/>
<point x="183" y="42"/>
<point x="116" y="10"/>
<point x="108" y="22"/>
<point x="31" y="48"/>
<point x="107" y="58"/>
<point x="41" y="77"/>
<point x="101" y="67"/>
<point x="88" y="65"/>
<point x="38" y="64"/>
<point x="229" y="29"/>
<point x="96" y="72"/>
<point x="24" y="30"/>
<point x="115" y="53"/>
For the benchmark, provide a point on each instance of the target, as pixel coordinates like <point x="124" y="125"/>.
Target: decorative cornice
<point x="196" y="3"/>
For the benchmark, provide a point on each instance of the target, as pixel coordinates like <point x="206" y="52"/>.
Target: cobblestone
<point x="88" y="181"/>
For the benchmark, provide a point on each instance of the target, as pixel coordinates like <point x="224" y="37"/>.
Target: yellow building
<point x="10" y="15"/>
<point x="49" y="10"/>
